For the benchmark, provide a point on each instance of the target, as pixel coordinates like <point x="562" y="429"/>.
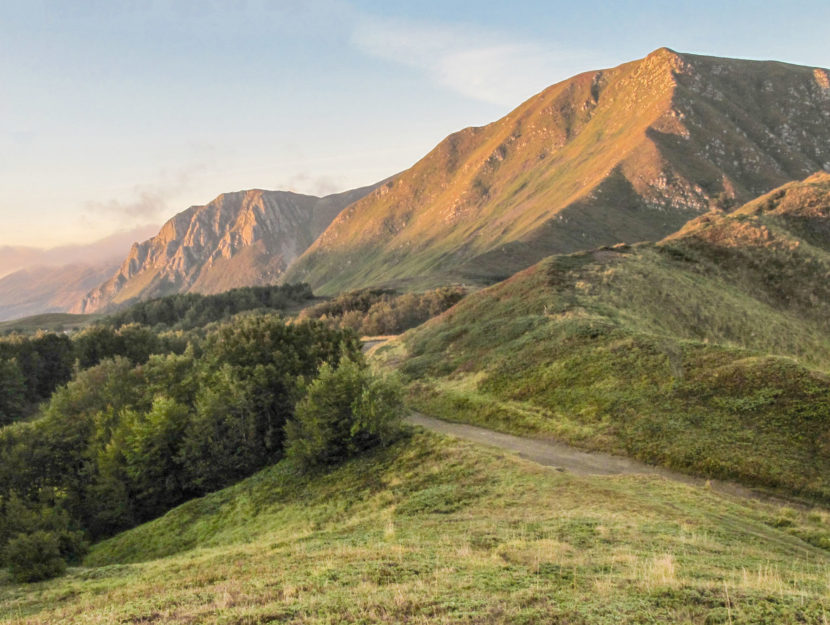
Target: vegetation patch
<point x="381" y="539"/>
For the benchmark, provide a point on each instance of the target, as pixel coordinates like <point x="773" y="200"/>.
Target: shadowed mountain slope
<point x="39" y="290"/>
<point x="621" y="155"/>
<point x="246" y="238"/>
<point x="703" y="352"/>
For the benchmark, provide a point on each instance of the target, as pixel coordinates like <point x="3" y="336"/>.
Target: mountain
<point x="620" y="155"/>
<point x="38" y="290"/>
<point x="246" y="238"/>
<point x="707" y="352"/>
<point x="109" y="249"/>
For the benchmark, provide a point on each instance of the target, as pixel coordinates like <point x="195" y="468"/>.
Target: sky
<point x="118" y="113"/>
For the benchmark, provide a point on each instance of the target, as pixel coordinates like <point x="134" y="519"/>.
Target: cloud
<point x="145" y="202"/>
<point x="306" y="182"/>
<point x="479" y="64"/>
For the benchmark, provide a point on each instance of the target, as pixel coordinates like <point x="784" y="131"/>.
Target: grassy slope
<point x="47" y="321"/>
<point x="439" y="531"/>
<point x="627" y="154"/>
<point x="660" y="351"/>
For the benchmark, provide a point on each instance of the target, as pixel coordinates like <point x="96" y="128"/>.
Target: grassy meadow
<point x="433" y="530"/>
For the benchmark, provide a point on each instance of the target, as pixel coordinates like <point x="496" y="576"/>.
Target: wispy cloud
<point x="306" y="182"/>
<point x="480" y="64"/>
<point x="146" y="202"/>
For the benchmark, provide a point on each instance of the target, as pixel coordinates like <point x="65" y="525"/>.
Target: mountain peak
<point x="241" y="238"/>
<point x="620" y="155"/>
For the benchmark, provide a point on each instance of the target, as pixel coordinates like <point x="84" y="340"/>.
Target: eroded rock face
<point x="619" y="155"/>
<point x="244" y="238"/>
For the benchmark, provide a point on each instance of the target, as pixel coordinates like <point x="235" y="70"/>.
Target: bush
<point x="34" y="556"/>
<point x="345" y="411"/>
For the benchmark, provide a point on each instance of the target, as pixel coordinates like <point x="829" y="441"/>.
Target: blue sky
<point x="115" y="113"/>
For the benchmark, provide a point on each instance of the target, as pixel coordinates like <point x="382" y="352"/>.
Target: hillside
<point x="703" y="352"/>
<point x="52" y="322"/>
<point x="39" y="290"/>
<point x="247" y="238"/>
<point x="620" y="155"/>
<point x="439" y="531"/>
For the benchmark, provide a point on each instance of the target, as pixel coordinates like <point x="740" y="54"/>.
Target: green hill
<point x="55" y="322"/>
<point x="704" y="352"/>
<point x="434" y="530"/>
<point x="626" y="154"/>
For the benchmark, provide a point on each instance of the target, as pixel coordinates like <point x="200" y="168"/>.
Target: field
<point x="433" y="530"/>
<point x="54" y="322"/>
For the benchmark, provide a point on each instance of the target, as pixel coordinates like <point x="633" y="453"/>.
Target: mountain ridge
<point x="705" y="352"/>
<point x="242" y="238"/>
<point x="625" y="154"/>
<point x="47" y="289"/>
<point x="108" y="249"/>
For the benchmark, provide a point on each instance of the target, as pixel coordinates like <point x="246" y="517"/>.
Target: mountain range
<point x="36" y="280"/>
<point x="611" y="156"/>
<point x="108" y="249"/>
<point x="621" y="155"/>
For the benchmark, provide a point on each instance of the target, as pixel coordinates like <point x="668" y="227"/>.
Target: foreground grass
<point x="434" y="530"/>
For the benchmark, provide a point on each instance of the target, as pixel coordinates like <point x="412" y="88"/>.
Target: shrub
<point x="34" y="556"/>
<point x="345" y="411"/>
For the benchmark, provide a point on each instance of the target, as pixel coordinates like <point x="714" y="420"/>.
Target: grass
<point x="55" y="322"/>
<point x="705" y="353"/>
<point x="433" y="530"/>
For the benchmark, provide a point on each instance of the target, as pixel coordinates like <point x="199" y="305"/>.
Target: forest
<point x="372" y="312"/>
<point x="118" y="423"/>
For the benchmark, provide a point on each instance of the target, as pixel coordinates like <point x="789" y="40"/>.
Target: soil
<point x="563" y="457"/>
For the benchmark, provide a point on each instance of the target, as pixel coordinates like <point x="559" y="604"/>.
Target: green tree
<point x="223" y="442"/>
<point x="34" y="556"/>
<point x="346" y="411"/>
<point x="150" y="451"/>
<point x="12" y="392"/>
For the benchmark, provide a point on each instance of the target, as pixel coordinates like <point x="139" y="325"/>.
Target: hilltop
<point x="621" y="155"/>
<point x="705" y="352"/>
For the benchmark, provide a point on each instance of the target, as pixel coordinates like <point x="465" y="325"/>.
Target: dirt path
<point x="370" y="343"/>
<point x="566" y="458"/>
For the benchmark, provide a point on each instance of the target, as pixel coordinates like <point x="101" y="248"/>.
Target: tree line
<point x="372" y="312"/>
<point x="138" y="420"/>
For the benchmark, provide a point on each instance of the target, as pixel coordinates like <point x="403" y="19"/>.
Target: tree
<point x="223" y="442"/>
<point x="346" y="411"/>
<point x="34" y="556"/>
<point x="150" y="453"/>
<point x="12" y="392"/>
<point x="39" y="537"/>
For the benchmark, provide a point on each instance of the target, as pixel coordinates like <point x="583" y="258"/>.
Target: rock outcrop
<point x="246" y="238"/>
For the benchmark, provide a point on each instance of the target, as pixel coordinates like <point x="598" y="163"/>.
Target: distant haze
<point x="112" y="248"/>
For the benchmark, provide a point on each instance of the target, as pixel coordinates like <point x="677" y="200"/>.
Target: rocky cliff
<point x="244" y="238"/>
